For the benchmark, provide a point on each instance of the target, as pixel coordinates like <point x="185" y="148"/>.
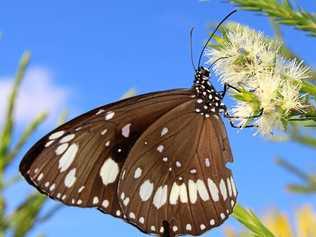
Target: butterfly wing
<point x="79" y="162"/>
<point x="176" y="174"/>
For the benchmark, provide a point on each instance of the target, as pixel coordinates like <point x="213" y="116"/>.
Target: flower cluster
<point x="254" y="63"/>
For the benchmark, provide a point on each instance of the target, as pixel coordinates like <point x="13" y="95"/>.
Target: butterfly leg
<point x="242" y="126"/>
<point x="227" y="115"/>
<point x="231" y="117"/>
<point x="227" y="86"/>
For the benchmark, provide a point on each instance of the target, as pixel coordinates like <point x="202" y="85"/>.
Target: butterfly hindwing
<point x="176" y="174"/>
<point x="79" y="162"/>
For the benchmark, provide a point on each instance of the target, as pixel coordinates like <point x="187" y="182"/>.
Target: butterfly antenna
<point x="213" y="33"/>
<point x="191" y="50"/>
<point x="218" y="59"/>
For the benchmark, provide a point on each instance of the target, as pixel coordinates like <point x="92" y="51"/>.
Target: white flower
<point x="253" y="61"/>
<point x="269" y="122"/>
<point x="248" y="54"/>
<point x="242" y="110"/>
<point x="293" y="69"/>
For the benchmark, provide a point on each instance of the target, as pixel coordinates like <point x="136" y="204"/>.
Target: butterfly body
<point x="156" y="160"/>
<point x="208" y="100"/>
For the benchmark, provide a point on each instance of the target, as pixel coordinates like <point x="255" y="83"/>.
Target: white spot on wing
<point x="61" y="149"/>
<point x="178" y="191"/>
<point x="223" y="189"/>
<point x="68" y="157"/>
<point x="132" y="215"/>
<point x="212" y="222"/>
<point x="52" y="187"/>
<point x="95" y="200"/>
<point x="107" y="144"/>
<point x="233" y="186"/>
<point x="126" y="130"/>
<point x="213" y="190"/>
<point x="109" y="171"/>
<point x="164" y="131"/>
<point x="81" y="189"/>
<point x="160" y="148"/>
<point x="145" y="190"/>
<point x="192" y="191"/>
<point x="49" y="143"/>
<point x="137" y="173"/>
<point x="100" y="111"/>
<point x="193" y="171"/>
<point x="207" y="162"/>
<point x="160" y="197"/>
<point x="105" y="203"/>
<point x="109" y="115"/>
<point x="56" y="135"/>
<point x="126" y="201"/>
<point x="39" y="178"/>
<point x="70" y="178"/>
<point x="202" y="227"/>
<point x="123" y="174"/>
<point x="104" y="132"/>
<point x="202" y="190"/>
<point x="229" y="187"/>
<point x="188" y="227"/>
<point x="141" y="220"/>
<point x="67" y="138"/>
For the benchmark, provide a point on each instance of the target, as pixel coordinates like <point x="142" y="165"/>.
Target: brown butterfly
<point x="156" y="160"/>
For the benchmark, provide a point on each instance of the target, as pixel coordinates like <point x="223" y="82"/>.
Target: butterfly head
<point x="202" y="74"/>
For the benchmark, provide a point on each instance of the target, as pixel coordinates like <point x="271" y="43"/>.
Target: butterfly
<point x="156" y="160"/>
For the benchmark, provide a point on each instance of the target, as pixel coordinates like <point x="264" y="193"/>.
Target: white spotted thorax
<point x="208" y="100"/>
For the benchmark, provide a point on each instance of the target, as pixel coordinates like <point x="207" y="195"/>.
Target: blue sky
<point x="91" y="52"/>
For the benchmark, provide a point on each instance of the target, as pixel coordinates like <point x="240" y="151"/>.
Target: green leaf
<point x="251" y="222"/>
<point x="304" y="139"/>
<point x="6" y="134"/>
<point x="25" y="216"/>
<point x="23" y="138"/>
<point x="309" y="189"/>
<point x="309" y="88"/>
<point x="283" y="13"/>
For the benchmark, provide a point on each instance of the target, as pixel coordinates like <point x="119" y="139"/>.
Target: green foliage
<point x="283" y="12"/>
<point x="309" y="180"/>
<point x="24" y="217"/>
<point x="300" y="130"/>
<point x="251" y="222"/>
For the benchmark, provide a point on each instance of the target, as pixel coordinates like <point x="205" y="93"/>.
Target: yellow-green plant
<point x="280" y="224"/>
<point x="28" y="212"/>
<point x="269" y="77"/>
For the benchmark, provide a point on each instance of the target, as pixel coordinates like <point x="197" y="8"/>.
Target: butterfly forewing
<point x="176" y="173"/>
<point x="79" y="163"/>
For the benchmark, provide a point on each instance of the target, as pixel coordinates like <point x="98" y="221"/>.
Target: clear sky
<point x="88" y="53"/>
